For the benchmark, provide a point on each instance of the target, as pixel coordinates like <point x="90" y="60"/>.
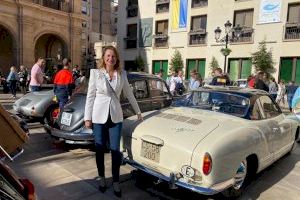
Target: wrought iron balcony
<point x="292" y="31"/>
<point x="132" y="10"/>
<point x="162" y="6"/>
<point x="131" y="42"/>
<point x="199" y="3"/>
<point x="61" y="5"/>
<point x="197" y="37"/>
<point x="161" y="40"/>
<point x="245" y="36"/>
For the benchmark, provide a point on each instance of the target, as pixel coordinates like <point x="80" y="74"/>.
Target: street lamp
<point x="229" y="37"/>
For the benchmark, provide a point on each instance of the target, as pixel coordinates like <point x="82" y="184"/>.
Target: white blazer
<point x="101" y="101"/>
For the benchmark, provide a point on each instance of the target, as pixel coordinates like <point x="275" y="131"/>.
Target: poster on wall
<point x="145" y="39"/>
<point x="269" y="11"/>
<point x="179" y="14"/>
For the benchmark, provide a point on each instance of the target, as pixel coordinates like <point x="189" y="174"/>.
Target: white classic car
<point x="213" y="141"/>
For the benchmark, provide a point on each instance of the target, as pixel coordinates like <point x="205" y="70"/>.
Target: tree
<point x="213" y="65"/>
<point x="176" y="61"/>
<point x="263" y="60"/>
<point x="139" y="63"/>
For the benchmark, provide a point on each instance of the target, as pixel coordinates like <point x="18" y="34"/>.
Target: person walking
<point x="23" y="75"/>
<point x="220" y="78"/>
<point x="281" y="93"/>
<point x="103" y="112"/>
<point x="194" y="81"/>
<point x="290" y="91"/>
<point x="12" y="80"/>
<point x="37" y="77"/>
<point x="63" y="84"/>
<point x="273" y="87"/>
<point x="259" y="82"/>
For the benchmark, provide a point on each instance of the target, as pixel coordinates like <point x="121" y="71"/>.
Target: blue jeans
<point x="13" y="87"/>
<point x="35" y="88"/>
<point x="102" y="132"/>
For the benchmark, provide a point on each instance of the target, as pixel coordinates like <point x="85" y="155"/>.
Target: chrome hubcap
<point x="240" y="175"/>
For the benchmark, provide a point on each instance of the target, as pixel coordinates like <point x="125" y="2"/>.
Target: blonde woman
<point x="103" y="112"/>
<point x="12" y="80"/>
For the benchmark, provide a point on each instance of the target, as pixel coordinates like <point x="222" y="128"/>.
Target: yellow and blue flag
<point x="179" y="13"/>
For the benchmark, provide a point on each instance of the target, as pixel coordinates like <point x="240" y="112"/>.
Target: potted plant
<point x="225" y="51"/>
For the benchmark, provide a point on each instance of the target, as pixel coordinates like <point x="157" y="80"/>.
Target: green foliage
<point x="225" y="51"/>
<point x="213" y="65"/>
<point x="176" y="61"/>
<point x="263" y="60"/>
<point x="139" y="63"/>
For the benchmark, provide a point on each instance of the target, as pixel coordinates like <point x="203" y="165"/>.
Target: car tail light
<point x="55" y="113"/>
<point x="29" y="189"/>
<point x="207" y="164"/>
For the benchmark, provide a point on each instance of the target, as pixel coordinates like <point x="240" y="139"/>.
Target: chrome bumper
<point x="201" y="190"/>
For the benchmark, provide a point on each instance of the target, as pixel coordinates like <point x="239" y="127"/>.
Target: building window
<point x="131" y="39"/>
<point x="199" y="3"/>
<point x="292" y="27"/>
<point x="158" y="65"/>
<point x="239" y="68"/>
<point x="162" y="6"/>
<point x="161" y="34"/>
<point x="55" y="4"/>
<point x="198" y="65"/>
<point x="244" y="19"/>
<point x="197" y="35"/>
<point x="132" y="8"/>
<point x="290" y="69"/>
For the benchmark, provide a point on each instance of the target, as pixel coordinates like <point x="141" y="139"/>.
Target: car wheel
<point x="239" y="182"/>
<point x="50" y="115"/>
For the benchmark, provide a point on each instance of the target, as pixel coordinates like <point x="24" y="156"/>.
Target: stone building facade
<point x="39" y="28"/>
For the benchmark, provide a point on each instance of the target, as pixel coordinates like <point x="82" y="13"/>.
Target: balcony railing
<point x="292" y="31"/>
<point x="54" y="4"/>
<point x="161" y="40"/>
<point x="199" y="3"/>
<point x="131" y="43"/>
<point x="132" y="11"/>
<point x="162" y="6"/>
<point x="245" y="36"/>
<point x="197" y="37"/>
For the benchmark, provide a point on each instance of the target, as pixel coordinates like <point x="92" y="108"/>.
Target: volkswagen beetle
<point x="213" y="141"/>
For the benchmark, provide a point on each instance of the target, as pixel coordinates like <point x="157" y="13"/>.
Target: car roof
<point x="246" y="92"/>
<point x="141" y="75"/>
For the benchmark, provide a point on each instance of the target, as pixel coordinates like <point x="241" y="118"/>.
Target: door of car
<point x="141" y="93"/>
<point x="280" y="128"/>
<point x="160" y="95"/>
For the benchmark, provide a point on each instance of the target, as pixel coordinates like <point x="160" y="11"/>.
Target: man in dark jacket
<point x="63" y="84"/>
<point x="219" y="78"/>
<point x="259" y="83"/>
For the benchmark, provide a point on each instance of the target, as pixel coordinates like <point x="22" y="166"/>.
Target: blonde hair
<point x="13" y="68"/>
<point x="101" y="63"/>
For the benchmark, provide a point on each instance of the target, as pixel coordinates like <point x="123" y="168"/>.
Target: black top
<point x="260" y="84"/>
<point x="220" y="80"/>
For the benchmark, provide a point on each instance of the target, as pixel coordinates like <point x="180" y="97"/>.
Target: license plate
<point x="150" y="151"/>
<point x="66" y="118"/>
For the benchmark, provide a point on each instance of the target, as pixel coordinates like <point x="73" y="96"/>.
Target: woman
<point x="281" y="93"/>
<point x="104" y="114"/>
<point x="194" y="82"/>
<point x="23" y="75"/>
<point x="12" y="79"/>
<point x="273" y="88"/>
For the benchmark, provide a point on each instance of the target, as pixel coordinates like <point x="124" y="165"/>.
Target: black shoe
<point x="117" y="190"/>
<point x="102" y="185"/>
<point x="102" y="188"/>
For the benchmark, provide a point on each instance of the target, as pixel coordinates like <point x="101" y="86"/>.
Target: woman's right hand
<point x="88" y="124"/>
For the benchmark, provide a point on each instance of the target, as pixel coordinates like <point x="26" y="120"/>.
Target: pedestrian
<point x="23" y="75"/>
<point x="273" y="88"/>
<point x="63" y="84"/>
<point x="103" y="111"/>
<point x="171" y="82"/>
<point x="259" y="82"/>
<point x="36" y="75"/>
<point x="219" y="78"/>
<point x="251" y="81"/>
<point x="12" y="80"/>
<point x="281" y="93"/>
<point x="81" y="79"/>
<point x="194" y="81"/>
<point x="291" y="89"/>
<point x="179" y="83"/>
<point x="159" y="84"/>
<point x="75" y="72"/>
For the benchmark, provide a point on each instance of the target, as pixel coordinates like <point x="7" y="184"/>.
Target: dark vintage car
<point x="150" y="91"/>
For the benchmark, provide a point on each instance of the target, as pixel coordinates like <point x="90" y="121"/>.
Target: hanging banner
<point x="179" y="14"/>
<point x="269" y="11"/>
<point x="145" y="39"/>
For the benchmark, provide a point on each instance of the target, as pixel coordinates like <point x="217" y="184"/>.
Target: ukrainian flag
<point x="179" y="13"/>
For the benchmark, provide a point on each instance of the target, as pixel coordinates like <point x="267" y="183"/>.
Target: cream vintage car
<point x="213" y="141"/>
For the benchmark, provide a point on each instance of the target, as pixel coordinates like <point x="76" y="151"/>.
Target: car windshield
<point x="228" y="103"/>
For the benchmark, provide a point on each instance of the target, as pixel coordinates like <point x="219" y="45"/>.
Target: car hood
<point x="175" y="127"/>
<point x="34" y="97"/>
